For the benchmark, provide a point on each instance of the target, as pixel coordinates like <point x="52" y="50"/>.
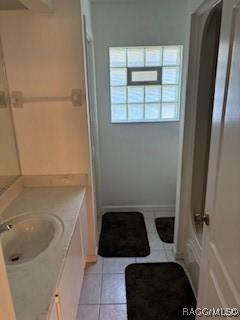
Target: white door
<point x="219" y="285"/>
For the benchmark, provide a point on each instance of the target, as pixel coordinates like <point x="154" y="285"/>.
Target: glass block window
<point x="145" y="83"/>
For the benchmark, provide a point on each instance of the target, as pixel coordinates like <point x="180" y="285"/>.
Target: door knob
<point x="202" y="218"/>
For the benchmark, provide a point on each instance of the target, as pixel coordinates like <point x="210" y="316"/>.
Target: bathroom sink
<point x="31" y="235"/>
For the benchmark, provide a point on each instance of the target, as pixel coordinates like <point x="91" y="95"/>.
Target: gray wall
<point x="138" y="161"/>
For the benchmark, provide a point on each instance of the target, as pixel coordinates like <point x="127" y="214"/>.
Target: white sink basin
<point x="31" y="235"/>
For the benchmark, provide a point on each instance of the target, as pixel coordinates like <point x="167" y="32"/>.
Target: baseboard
<point x="91" y="258"/>
<point x="161" y="210"/>
<point x="192" y="257"/>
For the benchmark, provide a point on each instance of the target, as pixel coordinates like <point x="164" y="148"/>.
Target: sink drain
<point x="15" y="257"/>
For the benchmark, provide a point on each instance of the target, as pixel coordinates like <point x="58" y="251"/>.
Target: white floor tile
<point x="155" y="242"/>
<point x="116" y="265"/>
<point x="171" y="258"/>
<point x="95" y="268"/>
<point x="155" y="256"/>
<point x="113" y="312"/>
<point x="170" y="255"/>
<point x="113" y="289"/>
<point x="150" y="225"/>
<point x="88" y="312"/>
<point x="109" y="288"/>
<point x="91" y="289"/>
<point x="168" y="246"/>
<point x="148" y="214"/>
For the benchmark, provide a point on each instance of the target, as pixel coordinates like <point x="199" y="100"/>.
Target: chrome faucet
<point x="5" y="227"/>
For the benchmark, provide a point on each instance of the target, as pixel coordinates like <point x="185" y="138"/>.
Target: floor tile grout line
<point x="162" y="249"/>
<point x="99" y="312"/>
<point x="166" y="253"/>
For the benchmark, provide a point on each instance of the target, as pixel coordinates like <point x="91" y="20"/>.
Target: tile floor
<point x="103" y="294"/>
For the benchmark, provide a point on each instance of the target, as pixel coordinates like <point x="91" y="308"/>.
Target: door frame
<point x="92" y="133"/>
<point x="93" y="115"/>
<point x="187" y="134"/>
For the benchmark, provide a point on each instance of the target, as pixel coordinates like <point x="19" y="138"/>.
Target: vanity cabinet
<point x="69" y="287"/>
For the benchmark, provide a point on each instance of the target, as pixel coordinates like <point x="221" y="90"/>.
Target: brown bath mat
<point x="158" y="291"/>
<point x="123" y="235"/>
<point x="165" y="229"/>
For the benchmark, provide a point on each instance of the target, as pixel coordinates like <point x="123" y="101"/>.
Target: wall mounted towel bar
<point x="18" y="100"/>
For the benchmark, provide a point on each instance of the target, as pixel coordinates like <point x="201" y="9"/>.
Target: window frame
<point x="130" y="70"/>
<point x="178" y="85"/>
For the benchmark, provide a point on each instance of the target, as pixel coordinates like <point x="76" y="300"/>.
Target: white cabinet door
<point x="71" y="281"/>
<point x="219" y="274"/>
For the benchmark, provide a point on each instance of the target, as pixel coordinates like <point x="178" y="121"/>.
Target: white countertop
<point x="33" y="285"/>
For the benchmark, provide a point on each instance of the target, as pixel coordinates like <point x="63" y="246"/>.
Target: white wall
<point x="38" y="5"/>
<point x="139" y="161"/>
<point x="44" y="57"/>
<point x="9" y="165"/>
<point x="9" y="161"/>
<point x="43" y="54"/>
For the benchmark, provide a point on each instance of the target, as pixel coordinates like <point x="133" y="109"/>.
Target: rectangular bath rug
<point x="123" y="234"/>
<point x="165" y="229"/>
<point x="158" y="291"/>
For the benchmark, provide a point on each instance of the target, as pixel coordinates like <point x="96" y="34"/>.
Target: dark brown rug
<point x="165" y="229"/>
<point x="158" y="291"/>
<point x="123" y="234"/>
